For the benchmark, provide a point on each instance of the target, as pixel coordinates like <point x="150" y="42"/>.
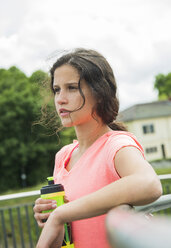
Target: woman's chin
<point x="67" y="124"/>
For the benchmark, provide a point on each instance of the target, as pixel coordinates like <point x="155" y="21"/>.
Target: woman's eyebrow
<point x="70" y="83"/>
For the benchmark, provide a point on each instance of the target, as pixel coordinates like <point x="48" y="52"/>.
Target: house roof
<point x="146" y="111"/>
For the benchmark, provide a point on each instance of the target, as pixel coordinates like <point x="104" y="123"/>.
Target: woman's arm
<point x="138" y="185"/>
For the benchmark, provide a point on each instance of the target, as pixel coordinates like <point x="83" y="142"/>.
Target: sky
<point x="133" y="35"/>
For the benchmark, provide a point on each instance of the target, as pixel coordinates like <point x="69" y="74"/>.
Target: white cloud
<point x="133" y="35"/>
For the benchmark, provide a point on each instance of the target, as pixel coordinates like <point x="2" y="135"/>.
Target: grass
<point x="166" y="184"/>
<point x="162" y="171"/>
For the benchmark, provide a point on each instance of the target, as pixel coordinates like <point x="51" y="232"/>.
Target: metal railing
<point x="129" y="229"/>
<point x="18" y="227"/>
<point x="164" y="202"/>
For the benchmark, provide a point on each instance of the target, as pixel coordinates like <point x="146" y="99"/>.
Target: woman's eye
<point x="56" y="90"/>
<point x="73" y="87"/>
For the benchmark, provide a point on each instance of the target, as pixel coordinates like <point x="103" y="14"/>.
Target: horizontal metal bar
<point x="128" y="229"/>
<point x="19" y="195"/>
<point x="163" y="202"/>
<point x="166" y="176"/>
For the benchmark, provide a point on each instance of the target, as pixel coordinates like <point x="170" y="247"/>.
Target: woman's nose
<point x="61" y="98"/>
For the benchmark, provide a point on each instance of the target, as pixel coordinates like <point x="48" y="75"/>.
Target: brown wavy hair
<point x="98" y="74"/>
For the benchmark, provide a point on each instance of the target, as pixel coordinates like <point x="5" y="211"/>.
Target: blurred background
<point x="133" y="35"/>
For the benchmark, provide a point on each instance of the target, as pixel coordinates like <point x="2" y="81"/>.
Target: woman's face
<point x="68" y="97"/>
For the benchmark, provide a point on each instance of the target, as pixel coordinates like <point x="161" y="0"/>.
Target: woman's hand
<point x="42" y="205"/>
<point x="53" y="232"/>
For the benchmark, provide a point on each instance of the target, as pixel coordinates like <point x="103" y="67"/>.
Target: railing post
<point x="4" y="229"/>
<point x="20" y="227"/>
<point x="12" y="228"/>
<point x="28" y="227"/>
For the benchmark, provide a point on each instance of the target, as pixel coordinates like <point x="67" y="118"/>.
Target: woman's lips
<point x="64" y="112"/>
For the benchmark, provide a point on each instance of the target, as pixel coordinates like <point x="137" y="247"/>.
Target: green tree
<point x="163" y="85"/>
<point x="39" y="77"/>
<point x="25" y="148"/>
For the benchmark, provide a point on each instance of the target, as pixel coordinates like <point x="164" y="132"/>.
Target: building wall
<point x="156" y="143"/>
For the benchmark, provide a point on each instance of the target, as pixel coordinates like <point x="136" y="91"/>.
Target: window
<point x="151" y="149"/>
<point x="148" y="128"/>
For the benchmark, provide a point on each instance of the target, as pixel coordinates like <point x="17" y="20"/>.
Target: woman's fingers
<point x="43" y="201"/>
<point x="42" y="205"/>
<point x="41" y="218"/>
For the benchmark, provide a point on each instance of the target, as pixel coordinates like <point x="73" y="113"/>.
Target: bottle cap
<point x="51" y="188"/>
<point x="50" y="180"/>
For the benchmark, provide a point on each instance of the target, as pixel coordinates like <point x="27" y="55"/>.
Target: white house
<point x="151" y="124"/>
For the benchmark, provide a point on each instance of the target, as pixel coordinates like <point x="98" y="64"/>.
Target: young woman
<point x="105" y="167"/>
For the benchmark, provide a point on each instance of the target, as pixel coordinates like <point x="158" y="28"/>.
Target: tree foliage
<point x="163" y="85"/>
<point x="25" y="149"/>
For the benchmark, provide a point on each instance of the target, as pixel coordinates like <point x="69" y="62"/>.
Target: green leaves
<point x="163" y="85"/>
<point x="20" y="147"/>
<point x="25" y="147"/>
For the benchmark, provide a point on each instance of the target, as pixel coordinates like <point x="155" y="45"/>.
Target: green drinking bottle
<point x="56" y="192"/>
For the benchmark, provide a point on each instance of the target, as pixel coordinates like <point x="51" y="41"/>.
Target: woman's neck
<point x="89" y="133"/>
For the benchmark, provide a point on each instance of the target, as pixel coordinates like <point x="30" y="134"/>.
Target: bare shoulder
<point x="130" y="160"/>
